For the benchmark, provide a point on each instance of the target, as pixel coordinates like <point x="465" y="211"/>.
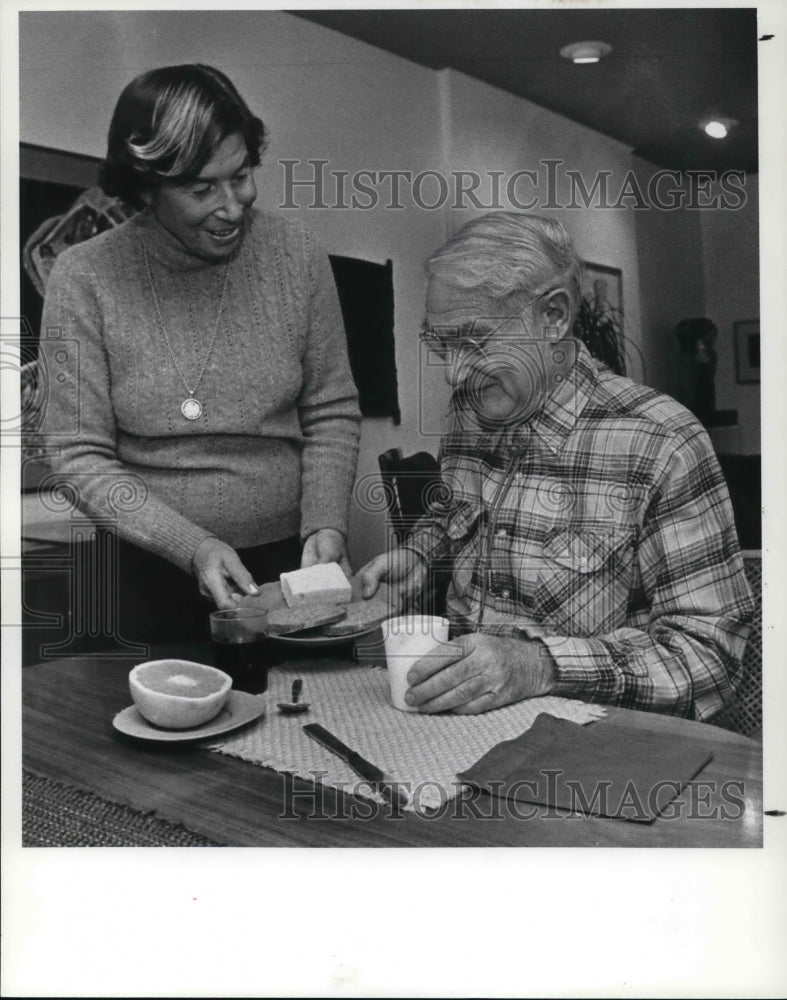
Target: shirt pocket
<point x="584" y="581"/>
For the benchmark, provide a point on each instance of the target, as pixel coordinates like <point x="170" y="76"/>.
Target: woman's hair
<point x="510" y="256"/>
<point x="167" y="124"/>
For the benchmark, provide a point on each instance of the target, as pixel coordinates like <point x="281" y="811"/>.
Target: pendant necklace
<point x="191" y="407"/>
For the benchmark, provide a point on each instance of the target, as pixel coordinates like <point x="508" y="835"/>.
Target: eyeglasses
<point x="452" y="344"/>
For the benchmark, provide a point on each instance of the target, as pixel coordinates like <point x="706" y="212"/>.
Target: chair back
<point x="409" y="484"/>
<point x="744" y="714"/>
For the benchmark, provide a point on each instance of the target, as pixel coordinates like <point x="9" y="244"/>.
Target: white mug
<point x="407" y="639"/>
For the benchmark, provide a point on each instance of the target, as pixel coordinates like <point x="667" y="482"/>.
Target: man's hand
<point x="477" y="672"/>
<point x="402" y="569"/>
<point x="217" y="566"/>
<point x="324" y="546"/>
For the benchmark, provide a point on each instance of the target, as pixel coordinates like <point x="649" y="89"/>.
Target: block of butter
<point x="325" y="583"/>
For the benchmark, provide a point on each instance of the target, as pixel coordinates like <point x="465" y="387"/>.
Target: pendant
<point x="191" y="408"/>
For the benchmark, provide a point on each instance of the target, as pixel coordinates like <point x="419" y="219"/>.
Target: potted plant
<point x="600" y="328"/>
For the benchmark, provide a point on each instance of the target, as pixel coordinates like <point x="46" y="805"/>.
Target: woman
<point x="213" y="413"/>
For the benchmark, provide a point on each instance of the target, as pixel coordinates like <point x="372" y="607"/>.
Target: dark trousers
<point x="160" y="603"/>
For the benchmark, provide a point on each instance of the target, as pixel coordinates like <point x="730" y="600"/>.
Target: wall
<point x="702" y="262"/>
<point x="670" y="254"/>
<point x="730" y="242"/>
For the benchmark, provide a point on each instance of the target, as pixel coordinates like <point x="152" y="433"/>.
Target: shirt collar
<point x="564" y="405"/>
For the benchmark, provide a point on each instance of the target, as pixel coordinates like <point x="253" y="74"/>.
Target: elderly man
<point x="588" y="529"/>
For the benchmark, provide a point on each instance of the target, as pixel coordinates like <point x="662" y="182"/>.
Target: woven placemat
<point x="423" y="752"/>
<point x="57" y="815"/>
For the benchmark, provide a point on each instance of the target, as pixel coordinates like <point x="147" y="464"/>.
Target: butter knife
<point x="368" y="771"/>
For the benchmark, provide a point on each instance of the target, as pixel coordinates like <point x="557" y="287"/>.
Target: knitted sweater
<point x="273" y="453"/>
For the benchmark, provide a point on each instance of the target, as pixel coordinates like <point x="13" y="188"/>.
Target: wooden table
<point x="68" y="737"/>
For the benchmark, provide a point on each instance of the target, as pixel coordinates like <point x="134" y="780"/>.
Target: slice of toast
<point x="360" y="617"/>
<point x="284" y="621"/>
<point x="268" y="597"/>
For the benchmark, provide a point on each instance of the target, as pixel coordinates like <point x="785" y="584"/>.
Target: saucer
<point x="239" y="709"/>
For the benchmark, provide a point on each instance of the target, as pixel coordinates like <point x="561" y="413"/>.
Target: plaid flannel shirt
<point x="603" y="527"/>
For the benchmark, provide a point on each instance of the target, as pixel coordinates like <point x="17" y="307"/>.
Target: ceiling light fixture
<point x="716" y="130"/>
<point x="585" y="52"/>
<point x="716" y="127"/>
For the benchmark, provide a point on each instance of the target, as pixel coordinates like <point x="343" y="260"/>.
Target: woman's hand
<point x="326" y="545"/>
<point x="217" y="566"/>
<point x="402" y="569"/>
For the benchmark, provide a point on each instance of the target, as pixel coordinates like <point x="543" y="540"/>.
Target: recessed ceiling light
<point x="717" y="128"/>
<point x="585" y="52"/>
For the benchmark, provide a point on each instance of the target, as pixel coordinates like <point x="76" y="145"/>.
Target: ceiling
<point x="668" y="69"/>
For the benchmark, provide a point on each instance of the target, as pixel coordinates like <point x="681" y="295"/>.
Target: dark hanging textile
<point x="366" y="297"/>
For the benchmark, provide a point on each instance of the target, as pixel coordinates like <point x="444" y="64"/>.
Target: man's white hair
<point x="511" y="258"/>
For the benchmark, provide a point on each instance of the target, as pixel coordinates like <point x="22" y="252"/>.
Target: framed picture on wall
<point x="747" y="350"/>
<point x="604" y="284"/>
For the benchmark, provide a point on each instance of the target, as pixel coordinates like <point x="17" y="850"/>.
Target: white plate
<point x="239" y="709"/>
<point x="323" y="641"/>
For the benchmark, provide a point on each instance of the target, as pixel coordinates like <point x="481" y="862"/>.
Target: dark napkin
<point x="601" y="769"/>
